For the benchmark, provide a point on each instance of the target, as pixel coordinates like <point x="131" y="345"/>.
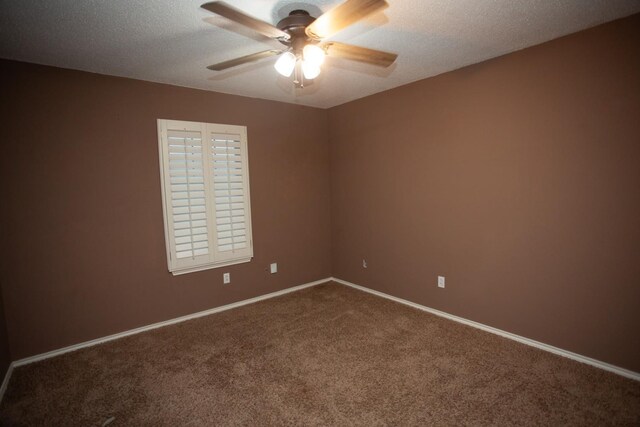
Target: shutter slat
<point x="185" y="149"/>
<point x="190" y="173"/>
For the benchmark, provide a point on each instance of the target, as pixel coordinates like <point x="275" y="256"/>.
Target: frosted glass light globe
<point x="313" y="54"/>
<point x="310" y="71"/>
<point x="285" y="64"/>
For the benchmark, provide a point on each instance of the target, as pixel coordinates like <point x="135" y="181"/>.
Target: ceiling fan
<point x="303" y="35"/>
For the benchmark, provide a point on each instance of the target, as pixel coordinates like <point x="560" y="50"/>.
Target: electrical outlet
<point x="364" y="263"/>
<point x="274" y="267"/>
<point x="441" y="281"/>
<point x="226" y="278"/>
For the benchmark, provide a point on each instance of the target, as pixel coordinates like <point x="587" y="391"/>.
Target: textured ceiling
<point x="173" y="41"/>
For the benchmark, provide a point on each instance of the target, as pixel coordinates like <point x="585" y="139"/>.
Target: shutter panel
<point x="186" y="186"/>
<point x="230" y="180"/>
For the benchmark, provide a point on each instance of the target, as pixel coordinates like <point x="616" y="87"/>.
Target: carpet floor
<point x="326" y="355"/>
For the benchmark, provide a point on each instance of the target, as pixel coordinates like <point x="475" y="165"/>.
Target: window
<point x="205" y="195"/>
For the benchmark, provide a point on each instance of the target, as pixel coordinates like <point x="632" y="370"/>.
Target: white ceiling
<point x="169" y="41"/>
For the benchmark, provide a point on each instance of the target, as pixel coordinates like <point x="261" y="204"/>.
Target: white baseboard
<point x="574" y="356"/>
<point x="542" y="346"/>
<point x="85" y="344"/>
<point x="5" y="382"/>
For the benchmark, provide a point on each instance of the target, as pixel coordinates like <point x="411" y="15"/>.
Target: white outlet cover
<point x="364" y="263"/>
<point x="226" y="278"/>
<point x="274" y="267"/>
<point x="441" y="281"/>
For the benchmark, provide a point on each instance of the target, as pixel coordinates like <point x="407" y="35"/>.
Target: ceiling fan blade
<point x="244" y="59"/>
<point x="342" y="16"/>
<point x="357" y="53"/>
<point x="229" y="12"/>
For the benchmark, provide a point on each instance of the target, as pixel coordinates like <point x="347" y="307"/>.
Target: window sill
<point x="210" y="266"/>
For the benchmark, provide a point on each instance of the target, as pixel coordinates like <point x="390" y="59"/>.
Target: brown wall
<point x="83" y="252"/>
<point x="518" y="179"/>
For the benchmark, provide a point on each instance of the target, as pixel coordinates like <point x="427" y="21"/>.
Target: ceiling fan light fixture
<point x="285" y="64"/>
<point x="310" y="70"/>
<point x="313" y="54"/>
<point x="303" y="35"/>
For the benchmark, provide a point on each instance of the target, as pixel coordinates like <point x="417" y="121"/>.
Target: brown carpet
<point x="327" y="355"/>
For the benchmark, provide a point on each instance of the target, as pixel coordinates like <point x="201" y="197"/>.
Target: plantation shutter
<point x="231" y="204"/>
<point x="205" y="194"/>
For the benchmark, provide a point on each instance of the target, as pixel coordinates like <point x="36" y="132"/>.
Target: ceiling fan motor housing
<point x="294" y="25"/>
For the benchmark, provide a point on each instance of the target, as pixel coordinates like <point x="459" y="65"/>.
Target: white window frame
<point x="214" y="259"/>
